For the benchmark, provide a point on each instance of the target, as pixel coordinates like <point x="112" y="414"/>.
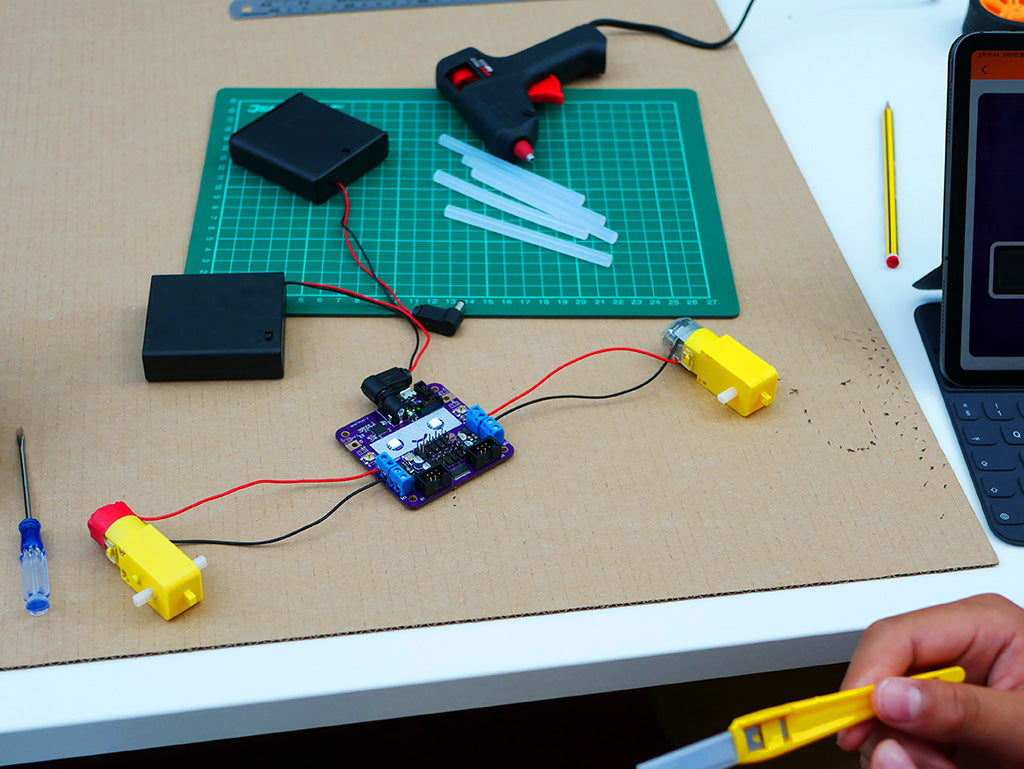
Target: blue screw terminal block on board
<point x="394" y="474"/>
<point x="484" y="426"/>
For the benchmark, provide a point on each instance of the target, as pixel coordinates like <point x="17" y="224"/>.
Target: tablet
<point x="982" y="331"/>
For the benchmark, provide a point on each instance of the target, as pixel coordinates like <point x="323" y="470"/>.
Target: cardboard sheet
<point x="656" y="496"/>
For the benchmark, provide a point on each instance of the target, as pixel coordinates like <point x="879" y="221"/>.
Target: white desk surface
<point x="826" y="71"/>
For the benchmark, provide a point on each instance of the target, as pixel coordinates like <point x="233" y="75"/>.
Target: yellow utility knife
<point x="771" y="732"/>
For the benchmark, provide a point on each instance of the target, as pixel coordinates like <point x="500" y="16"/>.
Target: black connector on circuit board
<point x="377" y="387"/>
<point x="397" y="398"/>
<point x="432" y="480"/>
<point x="384" y="390"/>
<point x="483" y="453"/>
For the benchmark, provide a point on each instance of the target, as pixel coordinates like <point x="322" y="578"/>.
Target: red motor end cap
<point x="100" y="521"/>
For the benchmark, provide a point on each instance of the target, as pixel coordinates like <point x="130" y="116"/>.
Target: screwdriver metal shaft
<point x="35" y="577"/>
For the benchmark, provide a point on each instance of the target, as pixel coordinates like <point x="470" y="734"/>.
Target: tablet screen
<point x="984" y="243"/>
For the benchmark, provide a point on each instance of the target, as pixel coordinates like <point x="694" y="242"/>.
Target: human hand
<point x="935" y="724"/>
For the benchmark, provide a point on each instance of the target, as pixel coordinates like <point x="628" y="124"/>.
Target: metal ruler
<point x="263" y="9"/>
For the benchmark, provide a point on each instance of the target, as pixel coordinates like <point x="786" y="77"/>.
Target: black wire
<point x="373" y="273"/>
<point x="678" y="37"/>
<point x="272" y="540"/>
<point x="333" y="510"/>
<point x="366" y="256"/>
<point x="646" y="382"/>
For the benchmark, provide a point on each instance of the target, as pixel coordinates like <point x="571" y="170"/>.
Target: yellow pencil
<point x="892" y="259"/>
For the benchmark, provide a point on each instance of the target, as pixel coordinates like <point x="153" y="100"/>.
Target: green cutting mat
<point x="638" y="155"/>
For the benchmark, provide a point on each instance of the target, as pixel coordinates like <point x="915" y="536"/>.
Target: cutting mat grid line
<point x="638" y="156"/>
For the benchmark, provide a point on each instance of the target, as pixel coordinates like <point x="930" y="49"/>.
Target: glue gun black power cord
<point x="672" y="34"/>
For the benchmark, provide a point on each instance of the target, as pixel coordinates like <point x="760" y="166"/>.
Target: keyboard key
<point x="1000" y="410"/>
<point x="1008" y="513"/>
<point x="1013" y="434"/>
<point x="982" y="434"/>
<point x="994" y="459"/>
<point x="999" y="485"/>
<point x="965" y="410"/>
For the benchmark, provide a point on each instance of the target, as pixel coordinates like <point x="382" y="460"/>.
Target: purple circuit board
<point x="432" y="443"/>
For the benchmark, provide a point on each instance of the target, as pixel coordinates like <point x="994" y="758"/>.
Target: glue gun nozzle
<point x="523" y="150"/>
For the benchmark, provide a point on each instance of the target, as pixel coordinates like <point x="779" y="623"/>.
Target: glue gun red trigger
<point x="546" y="91"/>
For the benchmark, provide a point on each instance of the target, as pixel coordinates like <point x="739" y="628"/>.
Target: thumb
<point x="955" y="714"/>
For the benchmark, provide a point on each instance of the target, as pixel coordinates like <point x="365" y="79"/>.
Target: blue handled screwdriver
<point x="35" y="578"/>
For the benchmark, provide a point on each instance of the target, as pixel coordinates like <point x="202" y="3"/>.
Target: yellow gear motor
<point x="722" y="365"/>
<point x="159" y="573"/>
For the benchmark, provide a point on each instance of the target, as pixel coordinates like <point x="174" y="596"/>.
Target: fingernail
<point x="890" y="755"/>
<point x="897" y="699"/>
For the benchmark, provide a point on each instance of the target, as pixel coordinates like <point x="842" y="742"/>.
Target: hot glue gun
<point x="495" y="95"/>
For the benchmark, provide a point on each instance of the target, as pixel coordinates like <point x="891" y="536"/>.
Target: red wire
<point x="371" y="472"/>
<point x="344" y="227"/>
<point x="398" y="304"/>
<point x="254" y="483"/>
<point x="356" y="294"/>
<point x="576" y="360"/>
<point x="401" y="310"/>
